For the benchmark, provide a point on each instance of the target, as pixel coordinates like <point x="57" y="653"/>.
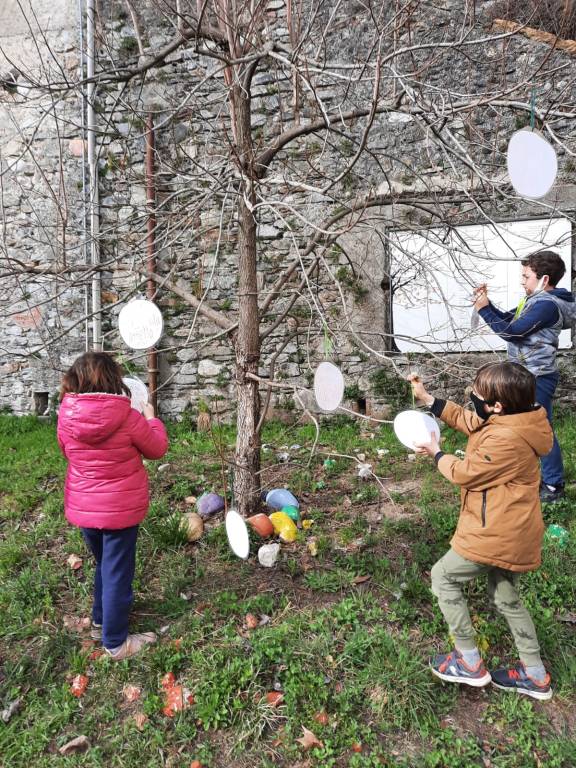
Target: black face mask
<point x="479" y="404"/>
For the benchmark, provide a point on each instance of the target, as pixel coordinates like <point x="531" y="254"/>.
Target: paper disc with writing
<point x="140" y="324"/>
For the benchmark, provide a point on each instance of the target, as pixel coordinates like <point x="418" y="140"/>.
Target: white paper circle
<point x="138" y="391"/>
<point x="412" y="427"/>
<point x="140" y="324"/>
<point x="328" y="386"/>
<point x="237" y="533"/>
<point x="532" y="164"/>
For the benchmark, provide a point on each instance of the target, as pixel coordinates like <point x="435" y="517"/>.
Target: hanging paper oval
<point x="532" y="164"/>
<point x="413" y="427"/>
<point x="138" y="392"/>
<point x="140" y="324"/>
<point x="328" y="386"/>
<point x="237" y="533"/>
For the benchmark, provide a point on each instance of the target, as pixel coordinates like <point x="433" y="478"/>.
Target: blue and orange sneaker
<point x="516" y="679"/>
<point x="452" y="668"/>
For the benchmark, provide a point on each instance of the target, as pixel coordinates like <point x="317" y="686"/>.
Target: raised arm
<point x="540" y="315"/>
<point x="456" y="416"/>
<point x="148" y="435"/>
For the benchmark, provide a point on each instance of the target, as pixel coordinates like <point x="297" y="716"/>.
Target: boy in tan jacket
<point x="499" y="531"/>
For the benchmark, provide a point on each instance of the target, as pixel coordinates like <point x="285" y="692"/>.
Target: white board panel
<point x="434" y="273"/>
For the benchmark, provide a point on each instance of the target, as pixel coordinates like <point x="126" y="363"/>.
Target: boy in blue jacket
<point x="531" y="331"/>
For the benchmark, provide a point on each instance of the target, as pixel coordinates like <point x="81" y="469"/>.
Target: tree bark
<point x="247" y="343"/>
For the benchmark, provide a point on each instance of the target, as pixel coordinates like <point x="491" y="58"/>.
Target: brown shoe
<point x="131" y="646"/>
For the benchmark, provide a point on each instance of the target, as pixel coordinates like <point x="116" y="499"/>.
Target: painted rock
<point x="262" y="525"/>
<point x="193" y="526"/>
<point x="283" y="526"/>
<point x="268" y="555"/>
<point x="278" y="498"/>
<point x="292" y="512"/>
<point x="209" y="504"/>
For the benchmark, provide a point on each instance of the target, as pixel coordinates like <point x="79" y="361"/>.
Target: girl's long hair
<point x="94" y="372"/>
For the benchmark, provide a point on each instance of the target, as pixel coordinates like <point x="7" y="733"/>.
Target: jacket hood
<point x="564" y="300"/>
<point x="532" y="426"/>
<point x="92" y="418"/>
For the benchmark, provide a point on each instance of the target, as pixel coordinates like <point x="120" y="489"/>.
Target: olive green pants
<point x="448" y="576"/>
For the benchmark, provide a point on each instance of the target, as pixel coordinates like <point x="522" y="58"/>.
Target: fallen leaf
<point x="79" y="685"/>
<point x="140" y="720"/>
<point x="176" y="698"/>
<point x="79" y="744"/>
<point x="250" y="621"/>
<point x="173" y="701"/>
<point x="76" y="623"/>
<point x="312" y="545"/>
<point x="274" y="698"/>
<point x="360" y="579"/>
<point x="307" y="524"/>
<point x="131" y="692"/>
<point x="98" y="653"/>
<point x="168" y="680"/>
<point x="321" y="718"/>
<point x="177" y="643"/>
<point x="309" y="740"/>
<point x="356" y="747"/>
<point x="74" y="562"/>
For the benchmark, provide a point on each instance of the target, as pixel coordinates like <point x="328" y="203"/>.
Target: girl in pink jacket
<point x="106" y="490"/>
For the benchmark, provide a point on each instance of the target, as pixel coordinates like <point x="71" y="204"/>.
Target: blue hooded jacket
<point x="532" y="336"/>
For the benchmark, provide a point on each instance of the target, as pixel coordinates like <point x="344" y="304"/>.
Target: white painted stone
<point x="268" y="555"/>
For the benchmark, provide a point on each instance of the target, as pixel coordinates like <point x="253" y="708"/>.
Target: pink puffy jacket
<point x="104" y="440"/>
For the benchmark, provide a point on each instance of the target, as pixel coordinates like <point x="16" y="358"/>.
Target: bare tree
<point x="323" y="122"/>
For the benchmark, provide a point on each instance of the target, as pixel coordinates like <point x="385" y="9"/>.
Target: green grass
<point x="346" y="627"/>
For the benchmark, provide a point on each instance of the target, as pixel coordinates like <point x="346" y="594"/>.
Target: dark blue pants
<point x="552" y="467"/>
<point x="115" y="554"/>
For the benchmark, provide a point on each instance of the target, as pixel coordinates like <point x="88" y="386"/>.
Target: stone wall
<point x="42" y="211"/>
<point x="42" y="327"/>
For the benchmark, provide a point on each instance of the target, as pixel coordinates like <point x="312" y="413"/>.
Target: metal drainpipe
<point x="93" y="168"/>
<point x="151" y="252"/>
<point x="83" y="137"/>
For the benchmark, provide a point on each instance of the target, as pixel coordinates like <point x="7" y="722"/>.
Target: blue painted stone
<point x="209" y="504"/>
<point x="280" y="497"/>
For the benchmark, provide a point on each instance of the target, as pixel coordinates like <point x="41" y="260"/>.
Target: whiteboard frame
<point x="437" y="319"/>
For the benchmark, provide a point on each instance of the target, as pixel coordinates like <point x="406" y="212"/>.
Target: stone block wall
<point x="42" y="327"/>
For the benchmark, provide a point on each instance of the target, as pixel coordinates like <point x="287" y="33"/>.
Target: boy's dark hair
<point x="546" y="263"/>
<point x="508" y="383"/>
<point x="94" y="372"/>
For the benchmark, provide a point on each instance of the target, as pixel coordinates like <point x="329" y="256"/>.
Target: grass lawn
<point x="344" y="622"/>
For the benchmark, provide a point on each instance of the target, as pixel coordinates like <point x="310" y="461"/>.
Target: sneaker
<point x="131" y="646"/>
<point x="452" y="668"/>
<point x="549" y="494"/>
<point x="516" y="679"/>
<point x="96" y="631"/>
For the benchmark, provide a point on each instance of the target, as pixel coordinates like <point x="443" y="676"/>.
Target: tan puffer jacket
<point x="500" y="517"/>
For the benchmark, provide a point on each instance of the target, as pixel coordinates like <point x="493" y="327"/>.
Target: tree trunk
<point x="247" y="346"/>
